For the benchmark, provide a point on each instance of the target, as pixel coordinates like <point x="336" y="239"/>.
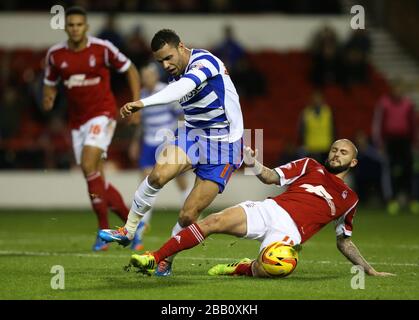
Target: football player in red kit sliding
<point x="316" y="195"/>
<point x="82" y="64"/>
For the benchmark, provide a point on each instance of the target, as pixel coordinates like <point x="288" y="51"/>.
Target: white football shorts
<point x="267" y="222"/>
<point x="97" y="132"/>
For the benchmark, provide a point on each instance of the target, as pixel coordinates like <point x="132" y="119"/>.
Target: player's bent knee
<point x="188" y="215"/>
<point x="186" y="220"/>
<point x="157" y="179"/>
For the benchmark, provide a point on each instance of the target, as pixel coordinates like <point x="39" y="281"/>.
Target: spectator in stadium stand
<point x="249" y="81"/>
<point x="327" y="65"/>
<point x="229" y="50"/>
<point x="315" y="196"/>
<point x="110" y="32"/>
<point x="356" y="55"/>
<point x="316" y="130"/>
<point x="82" y="63"/>
<point x="394" y="133"/>
<point x="137" y="48"/>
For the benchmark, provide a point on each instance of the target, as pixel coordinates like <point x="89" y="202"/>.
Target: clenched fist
<point x="130" y="108"/>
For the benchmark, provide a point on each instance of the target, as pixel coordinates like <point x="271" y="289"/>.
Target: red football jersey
<point x="315" y="197"/>
<point x="86" y="78"/>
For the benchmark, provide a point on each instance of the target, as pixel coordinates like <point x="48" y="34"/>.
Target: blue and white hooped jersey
<point x="158" y="118"/>
<point x="213" y="106"/>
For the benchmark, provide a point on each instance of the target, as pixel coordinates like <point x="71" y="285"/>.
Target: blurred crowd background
<point x="303" y="99"/>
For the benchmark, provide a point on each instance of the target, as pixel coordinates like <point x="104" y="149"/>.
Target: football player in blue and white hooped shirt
<point x="210" y="143"/>
<point x="150" y="134"/>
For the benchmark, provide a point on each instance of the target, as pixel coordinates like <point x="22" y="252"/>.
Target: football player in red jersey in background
<point x="82" y="64"/>
<point x="316" y="195"/>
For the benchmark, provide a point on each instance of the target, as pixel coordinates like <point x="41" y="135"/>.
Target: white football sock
<point x="144" y="198"/>
<point x="176" y="229"/>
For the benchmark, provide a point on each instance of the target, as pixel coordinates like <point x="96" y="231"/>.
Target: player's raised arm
<point x="264" y="174"/>
<point x="351" y="252"/>
<point x="173" y="92"/>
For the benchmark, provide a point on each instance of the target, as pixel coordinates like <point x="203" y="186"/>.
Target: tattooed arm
<point x="351" y="252"/>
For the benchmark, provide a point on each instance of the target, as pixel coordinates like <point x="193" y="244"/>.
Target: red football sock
<point x="116" y="203"/>
<point x="97" y="193"/>
<point x="185" y="239"/>
<point x="244" y="269"/>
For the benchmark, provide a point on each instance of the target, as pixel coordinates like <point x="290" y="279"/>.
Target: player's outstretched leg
<point x="201" y="196"/>
<point x="230" y="221"/>
<point x="185" y="239"/>
<point x="164" y="268"/>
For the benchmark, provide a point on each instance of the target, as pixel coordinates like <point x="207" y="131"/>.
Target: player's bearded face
<point x="335" y="167"/>
<point x="339" y="159"/>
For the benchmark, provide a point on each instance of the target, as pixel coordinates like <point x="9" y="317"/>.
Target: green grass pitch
<point x="32" y="242"/>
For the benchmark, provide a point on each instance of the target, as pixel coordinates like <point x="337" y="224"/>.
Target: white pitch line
<point x="113" y="256"/>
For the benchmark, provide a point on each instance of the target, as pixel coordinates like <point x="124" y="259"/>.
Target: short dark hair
<point x="75" y="10"/>
<point x="162" y="37"/>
